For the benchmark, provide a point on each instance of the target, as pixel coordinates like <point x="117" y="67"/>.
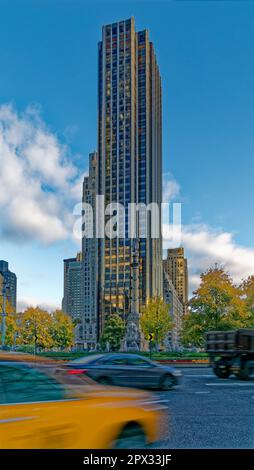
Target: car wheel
<point x="131" y="437"/>
<point x="104" y="381"/>
<point x="167" y="382"/>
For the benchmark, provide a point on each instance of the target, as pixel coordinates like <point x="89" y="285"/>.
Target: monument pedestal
<point x="133" y="335"/>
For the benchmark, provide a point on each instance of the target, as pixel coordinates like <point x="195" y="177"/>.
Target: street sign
<point x="151" y="336"/>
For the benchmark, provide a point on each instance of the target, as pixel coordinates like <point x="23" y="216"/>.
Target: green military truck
<point x="231" y="352"/>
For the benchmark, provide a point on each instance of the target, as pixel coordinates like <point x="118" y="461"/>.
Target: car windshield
<point x="139" y="361"/>
<point x="116" y="360"/>
<point x="23" y="383"/>
<point x="87" y="359"/>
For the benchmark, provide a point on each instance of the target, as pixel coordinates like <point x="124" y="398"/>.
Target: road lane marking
<point x="227" y="384"/>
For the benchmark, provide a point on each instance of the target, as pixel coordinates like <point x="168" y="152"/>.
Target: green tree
<point x="193" y="330"/>
<point x="113" y="332"/>
<point x="35" y="328"/>
<point x="216" y="305"/>
<point x="155" y="319"/>
<point x="62" y="330"/>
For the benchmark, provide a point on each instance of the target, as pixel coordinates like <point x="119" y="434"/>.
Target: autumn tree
<point x="62" y="330"/>
<point x="155" y="319"/>
<point x="247" y="292"/>
<point x="10" y="323"/>
<point x="35" y="328"/>
<point x="216" y="305"/>
<point x="113" y="333"/>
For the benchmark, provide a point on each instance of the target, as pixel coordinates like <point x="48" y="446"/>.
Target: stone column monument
<point x="133" y="334"/>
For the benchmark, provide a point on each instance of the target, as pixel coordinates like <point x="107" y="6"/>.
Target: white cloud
<point x="24" y="303"/>
<point x="171" y="187"/>
<point x="38" y="183"/>
<point x="205" y="246"/>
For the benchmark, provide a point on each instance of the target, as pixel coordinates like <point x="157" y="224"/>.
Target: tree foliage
<point x="247" y="290"/>
<point x="113" y="333"/>
<point x="62" y="330"/>
<point x="218" y="304"/>
<point x="10" y="323"/>
<point x="155" y="319"/>
<point x="38" y="328"/>
<point x="35" y="328"/>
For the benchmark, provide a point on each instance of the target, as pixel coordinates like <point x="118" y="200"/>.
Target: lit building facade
<point x="176" y="267"/>
<point x="176" y="312"/>
<point x="72" y="299"/>
<point x="90" y="256"/>
<point x="129" y="162"/>
<point x="1" y="291"/>
<point x="10" y="280"/>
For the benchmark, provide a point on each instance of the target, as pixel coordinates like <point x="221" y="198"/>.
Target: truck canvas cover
<point x="233" y="341"/>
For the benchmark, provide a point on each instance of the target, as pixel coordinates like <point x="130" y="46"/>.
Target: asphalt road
<point x="208" y="412"/>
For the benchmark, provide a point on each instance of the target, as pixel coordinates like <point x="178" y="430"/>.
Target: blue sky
<point x="48" y="52"/>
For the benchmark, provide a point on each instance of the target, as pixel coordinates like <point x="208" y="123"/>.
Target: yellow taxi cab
<point x="44" y="410"/>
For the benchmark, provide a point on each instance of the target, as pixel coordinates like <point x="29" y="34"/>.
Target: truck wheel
<point x="222" y="370"/>
<point x="247" y="371"/>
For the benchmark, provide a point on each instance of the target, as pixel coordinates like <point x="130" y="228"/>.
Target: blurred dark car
<point x="126" y="370"/>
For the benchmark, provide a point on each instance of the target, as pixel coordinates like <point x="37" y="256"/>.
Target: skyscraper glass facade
<point x="10" y="281"/>
<point x="89" y="256"/>
<point x="72" y="299"/>
<point x="129" y="160"/>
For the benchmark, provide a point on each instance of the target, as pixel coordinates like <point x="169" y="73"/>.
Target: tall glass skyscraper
<point x="89" y="256"/>
<point x="129" y="161"/>
<point x="72" y="299"/>
<point x="10" y="280"/>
